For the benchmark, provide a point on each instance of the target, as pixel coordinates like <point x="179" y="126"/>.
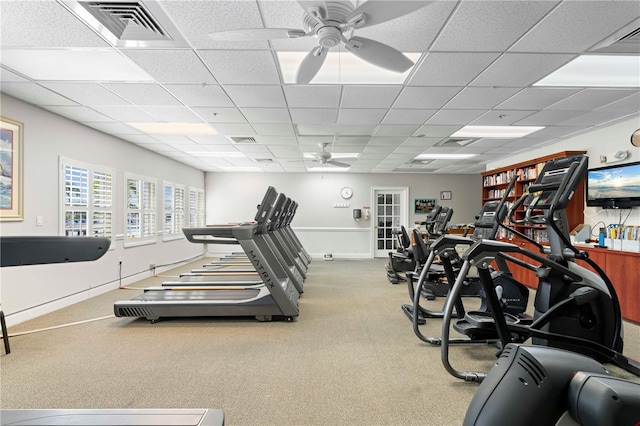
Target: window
<point x="87" y="207"/>
<point x="196" y="208"/>
<point x="141" y="210"/>
<point x="173" y="211"/>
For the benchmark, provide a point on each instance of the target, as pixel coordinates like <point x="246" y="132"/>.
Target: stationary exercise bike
<point x="575" y="309"/>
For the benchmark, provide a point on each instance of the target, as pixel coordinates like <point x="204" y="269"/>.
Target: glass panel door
<point x="389" y="213"/>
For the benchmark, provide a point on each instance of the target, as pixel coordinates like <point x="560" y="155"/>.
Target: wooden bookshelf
<point x="495" y="182"/>
<point x="621" y="267"/>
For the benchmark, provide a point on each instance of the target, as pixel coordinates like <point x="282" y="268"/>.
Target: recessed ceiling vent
<point x="627" y="40"/>
<point x="264" y="160"/>
<point x="129" y="23"/>
<point x="242" y="139"/>
<point x="420" y="162"/>
<point x="457" y="142"/>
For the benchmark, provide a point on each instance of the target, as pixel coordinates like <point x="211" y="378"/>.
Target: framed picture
<point x="11" y="185"/>
<point x="424" y="205"/>
<point x="445" y="195"/>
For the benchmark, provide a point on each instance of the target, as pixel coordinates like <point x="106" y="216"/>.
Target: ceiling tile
<point x="7" y="76"/>
<point x="314" y="115"/>
<point x="113" y="128"/>
<point x="142" y="93"/>
<point x="278" y="140"/>
<point x="430" y="130"/>
<point x="628" y="104"/>
<point x="533" y="98"/>
<point x="79" y="113"/>
<point x="241" y="66"/>
<point x="86" y="93"/>
<point x="161" y="65"/>
<point x="125" y="113"/>
<point x="44" y="24"/>
<point x="547" y="117"/>
<point x="360" y="116"/>
<point x="480" y="97"/>
<point x="180" y="114"/>
<point x="520" y="69"/>
<point x="454" y="116"/>
<point x="200" y="95"/>
<point x="424" y="142"/>
<point x="451" y="69"/>
<point x="234" y="129"/>
<point x="408" y="116"/>
<point x="209" y="139"/>
<point x="384" y="140"/>
<point x="194" y="18"/>
<point x="220" y="115"/>
<point x="369" y="96"/>
<point x="593" y="118"/>
<point x="272" y="129"/>
<point x="256" y="96"/>
<point x="312" y="96"/>
<point x="395" y="129"/>
<point x="500" y="117"/>
<point x="468" y="30"/>
<point x="313" y="129"/>
<point x="557" y="32"/>
<point x="425" y="97"/>
<point x="35" y="94"/>
<point x="267" y="115"/>
<point x="590" y="99"/>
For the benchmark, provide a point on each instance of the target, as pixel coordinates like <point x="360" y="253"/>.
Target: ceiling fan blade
<point x="310" y="65"/>
<point x="251" y="34"/>
<point x="379" y="54"/>
<point x="338" y="163"/>
<point x="376" y="12"/>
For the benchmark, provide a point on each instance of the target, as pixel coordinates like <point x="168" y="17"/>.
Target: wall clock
<point x="635" y="138"/>
<point x="346" y="192"/>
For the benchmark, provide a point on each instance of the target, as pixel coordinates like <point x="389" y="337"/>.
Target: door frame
<point x="404" y="211"/>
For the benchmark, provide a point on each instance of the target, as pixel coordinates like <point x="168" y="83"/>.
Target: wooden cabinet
<point x="622" y="268"/>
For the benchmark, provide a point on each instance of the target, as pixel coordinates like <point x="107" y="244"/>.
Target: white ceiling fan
<point x="333" y="22"/>
<point x="324" y="157"/>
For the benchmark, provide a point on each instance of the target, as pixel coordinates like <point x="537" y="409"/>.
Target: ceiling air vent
<point x="420" y="162"/>
<point x="264" y="160"/>
<point x="242" y="139"/>
<point x="457" y="142"/>
<point x="129" y="23"/>
<point x="627" y="40"/>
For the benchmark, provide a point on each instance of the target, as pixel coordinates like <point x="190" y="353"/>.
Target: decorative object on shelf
<point x="11" y="183"/>
<point x="424" y="205"/>
<point x="445" y="195"/>
<point x="635" y="138"/>
<point x="346" y="192"/>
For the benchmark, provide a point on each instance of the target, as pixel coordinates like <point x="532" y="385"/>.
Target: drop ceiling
<point x="477" y="65"/>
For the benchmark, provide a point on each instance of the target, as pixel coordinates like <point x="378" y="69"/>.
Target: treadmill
<point x="275" y="297"/>
<point x="36" y="250"/>
<point x="268" y="237"/>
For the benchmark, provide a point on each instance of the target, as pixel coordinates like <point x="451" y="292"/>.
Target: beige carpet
<point x="350" y="358"/>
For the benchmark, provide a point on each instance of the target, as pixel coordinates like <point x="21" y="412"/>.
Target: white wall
<point x="602" y="141"/>
<point x="232" y="197"/>
<point x="29" y="291"/>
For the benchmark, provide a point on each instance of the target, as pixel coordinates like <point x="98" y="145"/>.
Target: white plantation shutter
<point x="196" y="208"/>
<point x="87" y="208"/>
<point x="141" y="210"/>
<point x="174" y="213"/>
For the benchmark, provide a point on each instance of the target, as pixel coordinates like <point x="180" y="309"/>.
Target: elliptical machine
<point x="513" y="295"/>
<point x="575" y="309"/>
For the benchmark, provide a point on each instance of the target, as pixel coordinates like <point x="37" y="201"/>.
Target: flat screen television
<point x="614" y="187"/>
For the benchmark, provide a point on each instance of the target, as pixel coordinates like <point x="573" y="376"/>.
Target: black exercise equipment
<point x="537" y="385"/>
<point x="41" y="250"/>
<point x="575" y="309"/>
<point x="114" y="417"/>
<point x="275" y="297"/>
<point x="513" y="295"/>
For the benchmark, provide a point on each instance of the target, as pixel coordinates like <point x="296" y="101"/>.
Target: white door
<point x="389" y="212"/>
